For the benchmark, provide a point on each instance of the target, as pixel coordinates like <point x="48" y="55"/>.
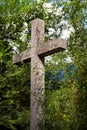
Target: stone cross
<point x="36" y="55"/>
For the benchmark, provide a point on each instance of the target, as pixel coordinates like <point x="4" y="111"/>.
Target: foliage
<point x="75" y="13"/>
<point x="66" y="83"/>
<point x="78" y="44"/>
<point x="11" y="103"/>
<point x="60" y="109"/>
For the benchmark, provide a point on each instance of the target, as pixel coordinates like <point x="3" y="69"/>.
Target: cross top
<point x="36" y="55"/>
<point x="43" y="49"/>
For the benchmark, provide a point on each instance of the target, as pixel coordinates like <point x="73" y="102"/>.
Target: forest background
<point x="66" y="72"/>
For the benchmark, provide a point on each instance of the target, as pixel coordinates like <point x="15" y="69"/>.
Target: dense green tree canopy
<point x="66" y="80"/>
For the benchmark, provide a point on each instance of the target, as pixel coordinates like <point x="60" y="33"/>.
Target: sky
<point x="66" y="32"/>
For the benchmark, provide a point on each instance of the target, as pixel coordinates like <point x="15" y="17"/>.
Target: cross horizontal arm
<point x="43" y="50"/>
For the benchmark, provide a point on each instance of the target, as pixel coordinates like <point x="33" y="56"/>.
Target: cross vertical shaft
<point x="37" y="77"/>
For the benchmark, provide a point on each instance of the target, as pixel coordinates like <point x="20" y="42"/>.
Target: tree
<point x="10" y="99"/>
<point x="14" y="86"/>
<point x="75" y="14"/>
<point x="65" y="99"/>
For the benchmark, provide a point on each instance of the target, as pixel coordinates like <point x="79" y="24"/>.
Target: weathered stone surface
<point x="24" y="56"/>
<point x="37" y="78"/>
<point x="36" y="55"/>
<point x="51" y="47"/>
